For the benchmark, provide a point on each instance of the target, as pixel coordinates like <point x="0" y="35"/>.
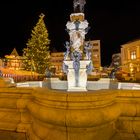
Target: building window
<point x="95" y="44"/>
<point x="95" y="56"/>
<point x="133" y="55"/>
<point x="95" y="50"/>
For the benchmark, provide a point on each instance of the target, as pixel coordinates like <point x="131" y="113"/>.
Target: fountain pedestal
<point x="77" y="82"/>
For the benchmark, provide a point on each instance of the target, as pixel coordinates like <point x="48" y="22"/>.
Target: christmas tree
<point x="37" y="53"/>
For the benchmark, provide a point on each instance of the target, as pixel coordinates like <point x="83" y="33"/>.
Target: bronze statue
<point x="79" y="6"/>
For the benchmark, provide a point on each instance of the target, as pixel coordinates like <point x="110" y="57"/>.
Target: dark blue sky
<point x="114" y="23"/>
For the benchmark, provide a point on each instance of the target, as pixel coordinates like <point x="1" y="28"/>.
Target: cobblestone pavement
<point x="9" y="135"/>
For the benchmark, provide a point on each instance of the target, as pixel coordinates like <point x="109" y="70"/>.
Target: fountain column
<point x="77" y="61"/>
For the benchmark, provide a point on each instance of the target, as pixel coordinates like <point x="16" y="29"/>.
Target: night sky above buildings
<point x="114" y="23"/>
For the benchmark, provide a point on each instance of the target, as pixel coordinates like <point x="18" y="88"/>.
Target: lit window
<point x="95" y="50"/>
<point x="96" y="56"/>
<point x="95" y="44"/>
<point x="133" y="54"/>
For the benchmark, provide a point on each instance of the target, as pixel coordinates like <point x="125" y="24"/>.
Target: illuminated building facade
<point x="14" y="61"/>
<point x="130" y="56"/>
<point x="58" y="57"/>
<point x="57" y="61"/>
<point x="96" y="54"/>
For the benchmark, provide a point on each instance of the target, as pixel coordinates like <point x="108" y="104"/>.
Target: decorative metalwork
<point x="87" y="50"/>
<point x="67" y="53"/>
<point x="76" y="56"/>
<point x="65" y="68"/>
<point x="89" y="68"/>
<point x="79" y="6"/>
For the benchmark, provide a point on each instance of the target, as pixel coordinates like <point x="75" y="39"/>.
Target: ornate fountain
<point x="77" y="60"/>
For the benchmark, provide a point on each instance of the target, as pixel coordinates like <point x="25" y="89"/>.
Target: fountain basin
<point x="74" y="116"/>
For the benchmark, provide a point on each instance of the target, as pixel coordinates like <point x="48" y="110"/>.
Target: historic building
<point x="57" y="61"/>
<point x="14" y="61"/>
<point x="130" y="56"/>
<point x="96" y="54"/>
